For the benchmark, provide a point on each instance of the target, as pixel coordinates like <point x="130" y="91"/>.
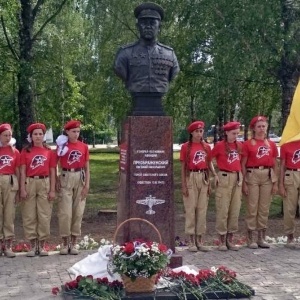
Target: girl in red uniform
<point x="259" y="169"/>
<point x="73" y="185"/>
<point x="37" y="189"/>
<point x="289" y="187"/>
<point x="195" y="157"/>
<point x="229" y="185"/>
<point x="9" y="177"/>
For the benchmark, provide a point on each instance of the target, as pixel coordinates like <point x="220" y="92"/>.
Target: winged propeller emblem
<point x="150" y="201"/>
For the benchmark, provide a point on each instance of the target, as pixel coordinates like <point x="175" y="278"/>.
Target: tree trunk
<point x="192" y="108"/>
<point x="25" y="73"/>
<point x="246" y="133"/>
<point x="288" y="81"/>
<point x="289" y="70"/>
<point x="288" y="76"/>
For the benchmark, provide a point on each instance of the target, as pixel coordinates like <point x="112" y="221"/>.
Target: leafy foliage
<point x="237" y="59"/>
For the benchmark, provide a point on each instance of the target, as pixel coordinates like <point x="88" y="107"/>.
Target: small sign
<point x="150" y="202"/>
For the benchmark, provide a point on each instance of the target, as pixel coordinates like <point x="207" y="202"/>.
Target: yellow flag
<point x="291" y="131"/>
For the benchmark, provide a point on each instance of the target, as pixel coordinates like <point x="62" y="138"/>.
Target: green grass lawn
<point x="105" y="179"/>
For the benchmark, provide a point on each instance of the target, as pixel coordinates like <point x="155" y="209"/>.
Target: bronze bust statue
<point x="147" y="66"/>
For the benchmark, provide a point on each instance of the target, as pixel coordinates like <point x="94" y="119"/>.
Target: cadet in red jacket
<point x="229" y="185"/>
<point x="195" y="157"/>
<point x="259" y="169"/>
<point x="9" y="178"/>
<point x="37" y="188"/>
<point x="289" y="187"/>
<point x="73" y="185"/>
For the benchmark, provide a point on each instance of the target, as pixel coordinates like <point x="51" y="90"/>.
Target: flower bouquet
<point x="138" y="262"/>
<point x="214" y="283"/>
<point x="88" y="243"/>
<point x="183" y="284"/>
<point x="87" y="287"/>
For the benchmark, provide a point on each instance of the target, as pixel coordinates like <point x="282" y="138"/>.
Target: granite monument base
<point x="146" y="179"/>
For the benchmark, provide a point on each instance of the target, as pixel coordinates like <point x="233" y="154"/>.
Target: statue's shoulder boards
<point x="128" y="45"/>
<point x="165" y="46"/>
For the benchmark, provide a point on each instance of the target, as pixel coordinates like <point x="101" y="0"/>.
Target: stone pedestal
<point x="147" y="104"/>
<point x="146" y="179"/>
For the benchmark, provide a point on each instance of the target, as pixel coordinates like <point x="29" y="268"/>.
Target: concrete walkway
<point x="273" y="273"/>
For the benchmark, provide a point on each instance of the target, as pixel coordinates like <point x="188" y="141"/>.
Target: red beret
<point x="33" y="126"/>
<point x="195" y="125"/>
<point x="4" y="127"/>
<point x="72" y="124"/>
<point x="257" y="119"/>
<point x="231" y="126"/>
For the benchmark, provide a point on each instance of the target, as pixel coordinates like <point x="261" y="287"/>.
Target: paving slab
<point x="273" y="273"/>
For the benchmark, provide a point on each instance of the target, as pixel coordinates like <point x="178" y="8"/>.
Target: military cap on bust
<point x="149" y="10"/>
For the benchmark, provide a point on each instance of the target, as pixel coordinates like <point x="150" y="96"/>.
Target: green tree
<point x="30" y="27"/>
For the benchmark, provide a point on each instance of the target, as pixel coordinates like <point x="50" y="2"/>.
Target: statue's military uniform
<point x="146" y="68"/>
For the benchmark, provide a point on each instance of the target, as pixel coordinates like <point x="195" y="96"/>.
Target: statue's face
<point x="148" y="28"/>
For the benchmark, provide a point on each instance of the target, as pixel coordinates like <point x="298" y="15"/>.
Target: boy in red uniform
<point x="229" y="185"/>
<point x="195" y="157"/>
<point x="9" y="178"/>
<point x="289" y="187"/>
<point x="259" y="169"/>
<point x="37" y="188"/>
<point x="73" y="185"/>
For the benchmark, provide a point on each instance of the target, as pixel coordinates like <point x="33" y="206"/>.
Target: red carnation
<point x="105" y="280"/>
<point x="55" y="291"/>
<point x="149" y="244"/>
<point x="78" y="278"/>
<point x="129" y="248"/>
<point x="116" y="284"/>
<point x="72" y="284"/>
<point x="162" y="248"/>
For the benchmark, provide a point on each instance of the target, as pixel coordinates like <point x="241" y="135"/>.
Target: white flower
<point x="277" y="240"/>
<point x="270" y="239"/>
<point x="282" y="239"/>
<point x="214" y="269"/>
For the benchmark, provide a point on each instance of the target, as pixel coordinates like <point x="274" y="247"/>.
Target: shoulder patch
<point x="128" y="45"/>
<point x="165" y="46"/>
